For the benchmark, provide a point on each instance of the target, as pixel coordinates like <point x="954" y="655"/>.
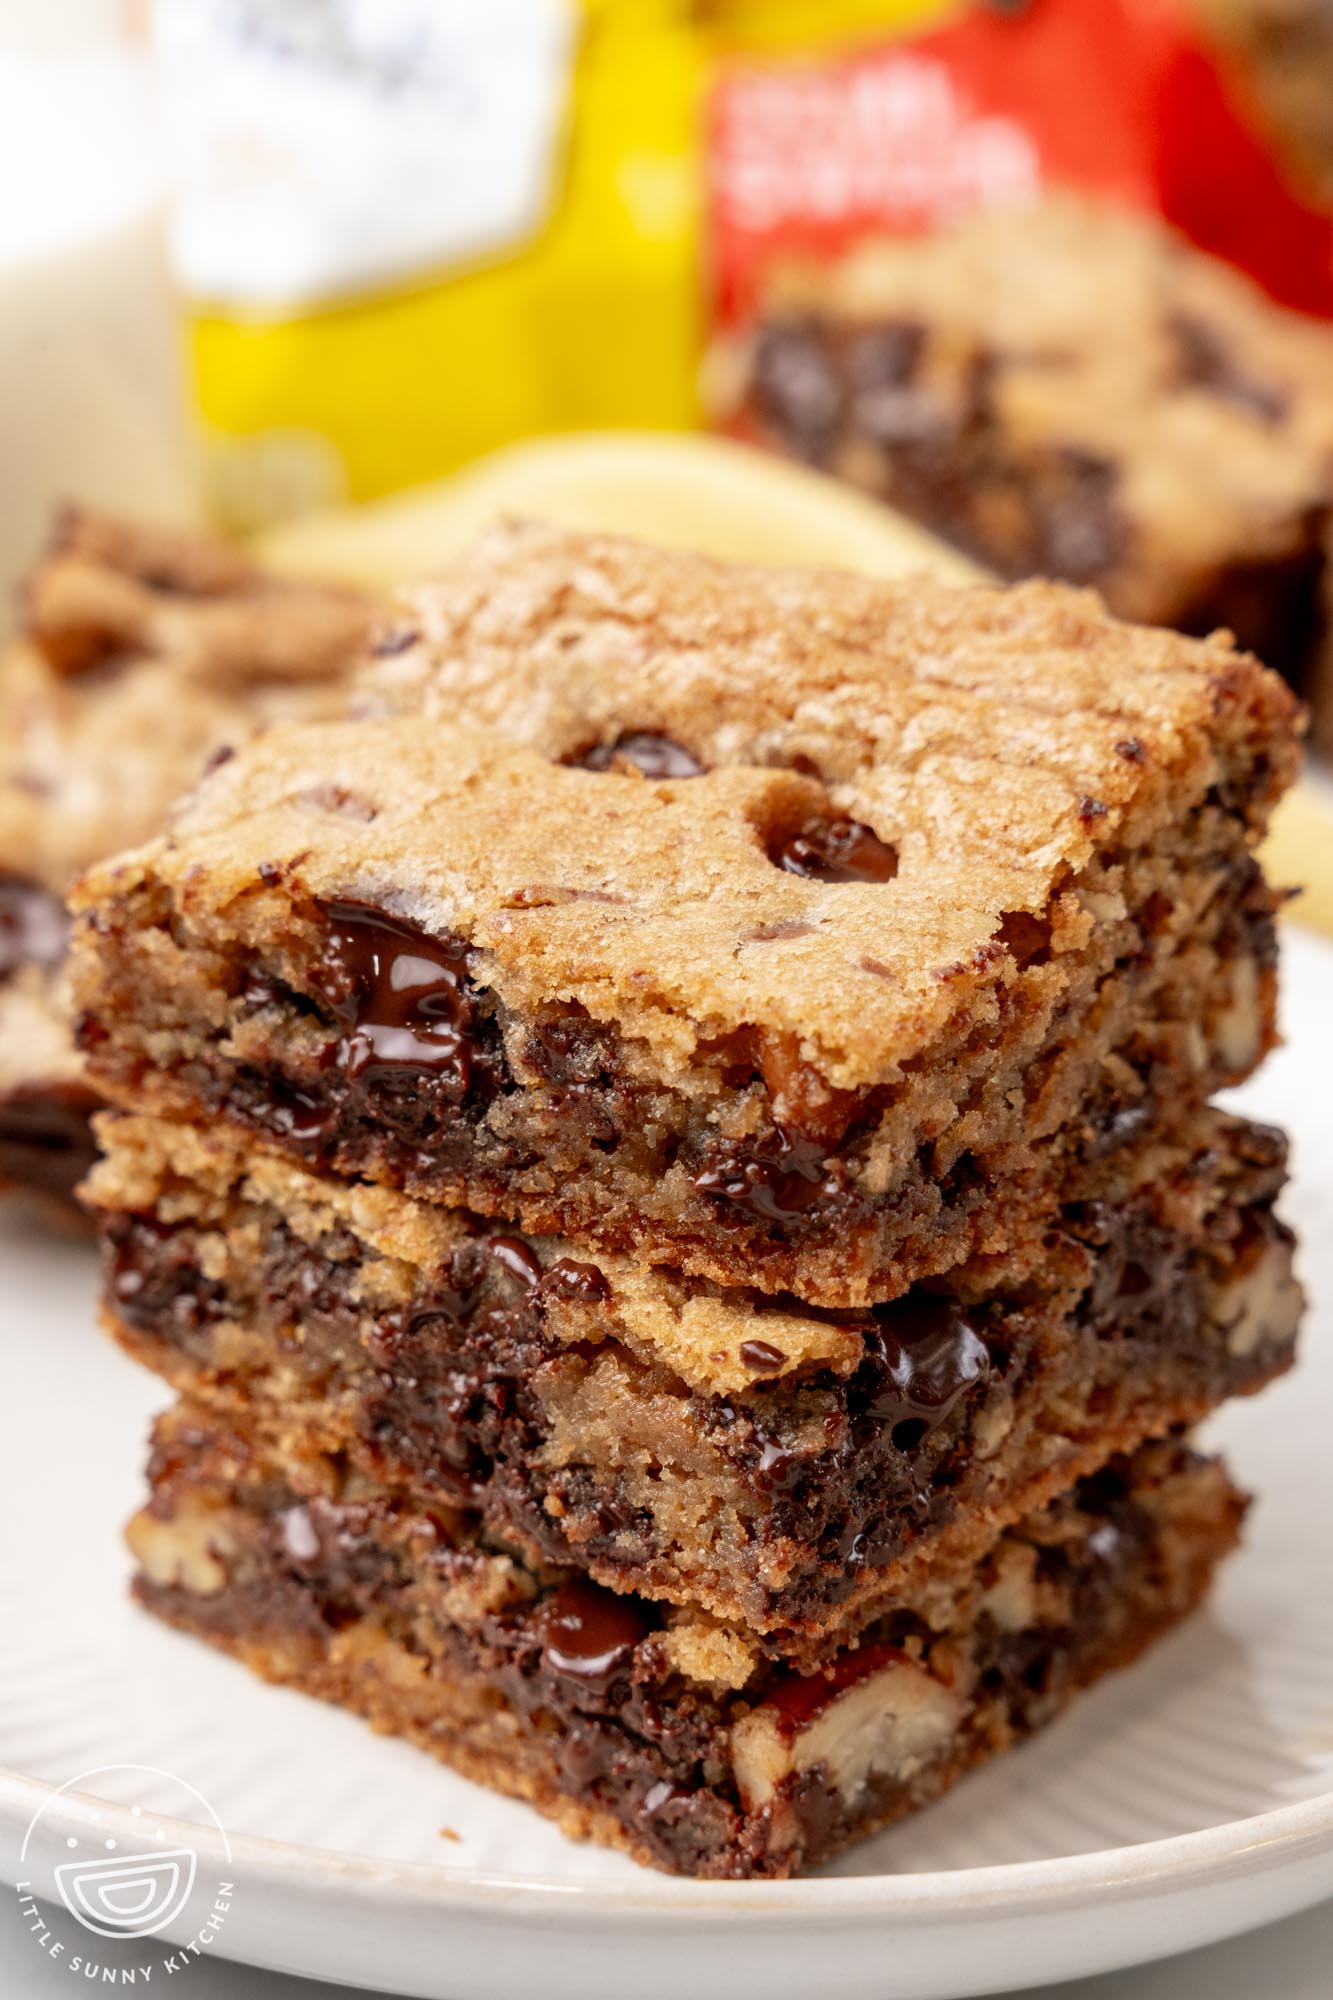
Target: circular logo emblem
<point x="115" y="1842"/>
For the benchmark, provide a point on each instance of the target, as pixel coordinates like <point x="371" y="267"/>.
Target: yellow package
<point x="413" y="230"/>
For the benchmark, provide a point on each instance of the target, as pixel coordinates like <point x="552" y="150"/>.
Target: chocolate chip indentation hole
<point x="836" y="850"/>
<point x="653" y="755"/>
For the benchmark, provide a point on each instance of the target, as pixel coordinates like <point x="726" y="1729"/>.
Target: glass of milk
<point x="92" y="395"/>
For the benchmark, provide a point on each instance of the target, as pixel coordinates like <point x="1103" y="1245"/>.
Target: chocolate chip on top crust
<point x="641" y="750"/>
<point x="839" y="850"/>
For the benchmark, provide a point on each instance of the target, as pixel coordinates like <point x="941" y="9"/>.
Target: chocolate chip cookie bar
<point x="653" y="1731"/>
<point x="792" y="930"/>
<point x="144" y="652"/>
<point x="779" y="1467"/>
<point x="1073" y="391"/>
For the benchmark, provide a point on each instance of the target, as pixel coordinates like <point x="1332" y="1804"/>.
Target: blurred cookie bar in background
<point x="143" y="653"/>
<point x="1071" y="390"/>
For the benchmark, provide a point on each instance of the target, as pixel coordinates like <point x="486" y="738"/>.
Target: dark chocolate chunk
<point x="581" y="1284"/>
<point x="886" y="355"/>
<point x="656" y="756"/>
<point x="34" y="925"/>
<point x="293" y="1114"/>
<point x="589" y="1634"/>
<point x="400" y="996"/>
<point x="518" y="1258"/>
<point x="775" y="1176"/>
<point x="931" y="1358"/>
<point x="761" y="1357"/>
<point x="838" y="850"/>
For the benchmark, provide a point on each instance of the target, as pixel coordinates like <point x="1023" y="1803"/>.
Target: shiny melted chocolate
<point x="399" y="994"/>
<point x="589" y="1634"/>
<point x="929" y="1357"/>
<point x="776" y="1177"/>
<point x="837" y="850"/>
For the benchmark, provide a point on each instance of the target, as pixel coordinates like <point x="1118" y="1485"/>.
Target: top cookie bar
<point x="1069" y="390"/>
<point x="792" y="929"/>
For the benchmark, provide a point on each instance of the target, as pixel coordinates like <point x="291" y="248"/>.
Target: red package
<point x="906" y="132"/>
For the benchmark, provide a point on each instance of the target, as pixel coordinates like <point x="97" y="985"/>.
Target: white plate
<point x="1186" y="1800"/>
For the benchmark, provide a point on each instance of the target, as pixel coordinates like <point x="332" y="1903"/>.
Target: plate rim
<point x="1261" y="1841"/>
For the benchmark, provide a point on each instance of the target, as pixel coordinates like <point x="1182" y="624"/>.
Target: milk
<point x="92" y="400"/>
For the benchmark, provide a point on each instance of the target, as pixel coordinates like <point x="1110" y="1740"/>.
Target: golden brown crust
<point x="995" y="739"/>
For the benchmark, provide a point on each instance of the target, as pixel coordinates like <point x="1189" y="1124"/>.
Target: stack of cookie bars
<point x="670" y="1165"/>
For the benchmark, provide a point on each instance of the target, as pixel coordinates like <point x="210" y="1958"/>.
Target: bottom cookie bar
<point x="643" y="1726"/>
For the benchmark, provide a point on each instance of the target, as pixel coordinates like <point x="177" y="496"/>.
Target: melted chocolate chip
<point x="931" y="1358"/>
<point x="777" y="1470"/>
<point x="34" y="925"/>
<point x="761" y="1357"/>
<point x="655" y="756"/>
<point x="518" y="1258"/>
<point x="1090" y="809"/>
<point x="839" y="850"/>
<point x="580" y="1284"/>
<point x="589" y="1634"/>
<point x="776" y="1177"/>
<point x="294" y="1115"/>
<point x="401" y="996"/>
<point x="46" y="1140"/>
